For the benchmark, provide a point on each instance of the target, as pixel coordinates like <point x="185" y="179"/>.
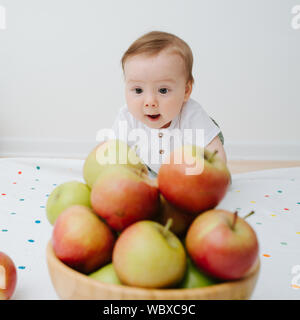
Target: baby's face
<point x="156" y="87"/>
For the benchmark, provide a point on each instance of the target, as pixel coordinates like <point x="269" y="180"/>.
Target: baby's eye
<point x="163" y="90"/>
<point x="138" y="90"/>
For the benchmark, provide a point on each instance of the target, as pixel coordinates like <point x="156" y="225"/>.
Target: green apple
<point x="195" y="278"/>
<point x="106" y="274"/>
<point x="148" y="255"/>
<point x="107" y="154"/>
<point x="66" y="195"/>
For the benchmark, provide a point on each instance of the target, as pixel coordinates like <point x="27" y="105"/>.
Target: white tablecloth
<point x="25" y="184"/>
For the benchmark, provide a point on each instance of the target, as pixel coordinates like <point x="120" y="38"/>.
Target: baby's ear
<point x="188" y="90"/>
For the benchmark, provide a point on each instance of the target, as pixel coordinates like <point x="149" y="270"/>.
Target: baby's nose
<point x="152" y="105"/>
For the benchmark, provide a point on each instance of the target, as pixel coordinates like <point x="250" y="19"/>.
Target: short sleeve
<point x="122" y="124"/>
<point x="193" y="116"/>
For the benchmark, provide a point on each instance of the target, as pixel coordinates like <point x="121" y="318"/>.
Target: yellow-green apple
<point x="181" y="219"/>
<point x="195" y="278"/>
<point x="66" y="195"/>
<point x="123" y="195"/>
<point x="107" y="154"/>
<point x="8" y="276"/>
<point x="193" y="179"/>
<point x="81" y="240"/>
<point x="222" y="244"/>
<point x="148" y="255"/>
<point x="106" y="274"/>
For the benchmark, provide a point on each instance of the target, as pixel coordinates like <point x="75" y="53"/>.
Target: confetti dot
<point x="283" y="243"/>
<point x="14" y="183"/>
<point x="20" y="172"/>
<point x="253" y="201"/>
<point x="37" y="221"/>
<point x="286" y="209"/>
<point x="37" y="180"/>
<point x="238" y="208"/>
<point x="258" y="223"/>
<point x="298" y="202"/>
<point x="4" y="230"/>
<point x="42" y="206"/>
<point x="238" y="191"/>
<point x="54" y="184"/>
<point x="266" y="255"/>
<point x="279" y="191"/>
<point x="30" y="240"/>
<point x="267" y="196"/>
<point x="21" y="267"/>
<point x="32" y="188"/>
<point x="297" y="232"/>
<point x="295" y="286"/>
<point x="38" y="167"/>
<point x="22" y="199"/>
<point x="12" y="213"/>
<point x="273" y="215"/>
<point x="3" y="194"/>
<point x="47" y="195"/>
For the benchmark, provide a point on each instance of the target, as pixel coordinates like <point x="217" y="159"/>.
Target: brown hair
<point x="154" y="42"/>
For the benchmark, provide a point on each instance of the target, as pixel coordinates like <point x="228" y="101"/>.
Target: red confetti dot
<point x="3" y="194"/>
<point x="14" y="183"/>
<point x="20" y="172"/>
<point x="267" y="196"/>
<point x="286" y="209"/>
<point x="266" y="255"/>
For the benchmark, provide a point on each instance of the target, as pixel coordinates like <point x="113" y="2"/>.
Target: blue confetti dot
<point x="42" y="206"/>
<point x="298" y="202"/>
<point x="37" y="221"/>
<point x="54" y="184"/>
<point x="4" y="230"/>
<point x="12" y="213"/>
<point x="21" y="267"/>
<point x="30" y="240"/>
<point x="32" y="188"/>
<point x="38" y="167"/>
<point x="279" y="191"/>
<point x="37" y="180"/>
<point x="22" y="199"/>
<point x="47" y="195"/>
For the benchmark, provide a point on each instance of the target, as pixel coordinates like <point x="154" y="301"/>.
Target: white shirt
<point x="153" y="145"/>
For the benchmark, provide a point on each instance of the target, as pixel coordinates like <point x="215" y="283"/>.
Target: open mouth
<point x="153" y="117"/>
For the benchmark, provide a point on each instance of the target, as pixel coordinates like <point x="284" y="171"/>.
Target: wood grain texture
<point x="72" y="285"/>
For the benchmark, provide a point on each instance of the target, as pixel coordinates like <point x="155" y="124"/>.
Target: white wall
<point x="61" y="80"/>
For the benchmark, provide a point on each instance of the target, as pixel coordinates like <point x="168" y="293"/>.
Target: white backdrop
<point x="61" y="79"/>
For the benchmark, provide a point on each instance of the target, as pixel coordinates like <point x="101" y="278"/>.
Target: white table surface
<point x="26" y="183"/>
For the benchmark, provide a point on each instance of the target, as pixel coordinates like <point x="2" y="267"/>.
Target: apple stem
<point x="248" y="215"/>
<point x="167" y="226"/>
<point x="212" y="156"/>
<point x="234" y="219"/>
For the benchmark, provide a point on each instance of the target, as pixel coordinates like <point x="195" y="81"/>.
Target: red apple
<point x="222" y="244"/>
<point x="190" y="189"/>
<point x="81" y="240"/>
<point x="148" y="255"/>
<point x="123" y="195"/>
<point x="181" y="220"/>
<point x="8" y="276"/>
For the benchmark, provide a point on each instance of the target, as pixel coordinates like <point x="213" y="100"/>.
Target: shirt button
<point x="160" y="134"/>
<point x="161" y="151"/>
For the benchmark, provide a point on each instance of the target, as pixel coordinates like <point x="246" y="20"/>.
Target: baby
<point x="158" y="78"/>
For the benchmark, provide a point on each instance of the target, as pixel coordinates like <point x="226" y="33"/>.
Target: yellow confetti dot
<point x="295" y="286"/>
<point x="273" y="215"/>
<point x="253" y="201"/>
<point x="238" y="190"/>
<point x="297" y="232"/>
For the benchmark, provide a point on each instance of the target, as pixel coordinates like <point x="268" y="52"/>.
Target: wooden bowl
<point x="73" y="285"/>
